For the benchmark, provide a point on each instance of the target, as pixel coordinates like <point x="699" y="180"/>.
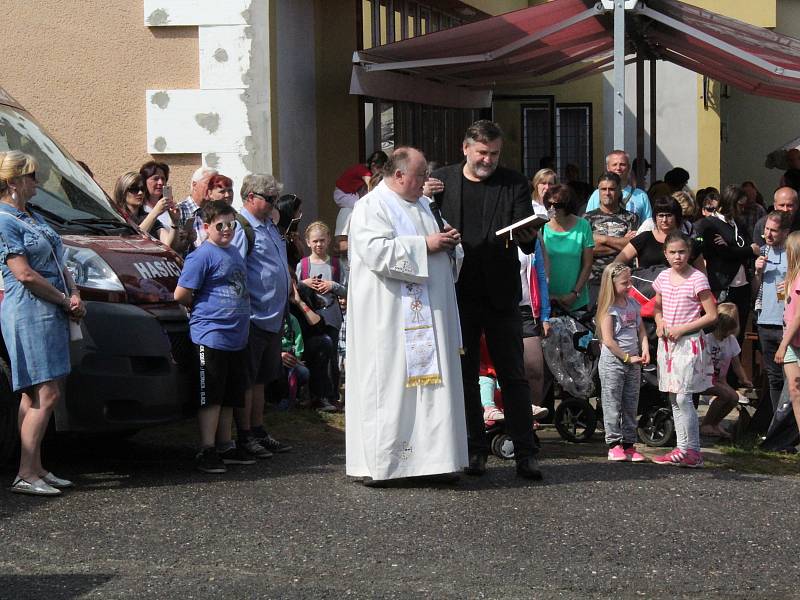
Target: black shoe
<point x="477" y="465"/>
<point x="443" y="478"/>
<point x="373" y="483"/>
<point x="208" y="461"/>
<point x="273" y="445"/>
<point x="237" y="456"/>
<point x="528" y="468"/>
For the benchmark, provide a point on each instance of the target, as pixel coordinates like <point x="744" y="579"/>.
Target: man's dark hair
<point x="792" y="179"/>
<point x="783" y="219"/>
<point x="668" y="204"/>
<point x="483" y="131"/>
<point x="609" y="176"/>
<point x="676" y="178"/>
<point x="564" y="196"/>
<point x="215" y="208"/>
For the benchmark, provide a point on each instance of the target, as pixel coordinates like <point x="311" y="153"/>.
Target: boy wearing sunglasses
<point x="213" y="286"/>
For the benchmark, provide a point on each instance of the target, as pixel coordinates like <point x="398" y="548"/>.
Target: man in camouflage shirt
<point x="612" y="227"/>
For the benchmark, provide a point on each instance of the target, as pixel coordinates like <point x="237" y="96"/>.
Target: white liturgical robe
<point x="393" y="430"/>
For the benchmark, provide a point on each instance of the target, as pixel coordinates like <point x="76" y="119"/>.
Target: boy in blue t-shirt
<point x="213" y="284"/>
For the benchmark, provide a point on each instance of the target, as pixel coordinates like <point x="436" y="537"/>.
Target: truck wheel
<point x="9" y="409"/>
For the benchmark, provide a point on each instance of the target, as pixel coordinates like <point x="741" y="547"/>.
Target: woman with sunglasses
<point x="129" y="195"/>
<point x="568" y="240"/>
<point x="40" y="298"/>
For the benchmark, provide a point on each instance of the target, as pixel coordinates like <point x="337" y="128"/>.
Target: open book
<point x="532" y="222"/>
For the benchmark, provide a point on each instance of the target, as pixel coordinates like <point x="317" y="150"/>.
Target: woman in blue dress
<point x="40" y="296"/>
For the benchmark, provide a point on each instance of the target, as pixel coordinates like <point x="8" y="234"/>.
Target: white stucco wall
<point x="676" y="118"/>
<point x="227" y="119"/>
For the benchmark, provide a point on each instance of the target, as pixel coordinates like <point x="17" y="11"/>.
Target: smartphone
<point x="167" y="192"/>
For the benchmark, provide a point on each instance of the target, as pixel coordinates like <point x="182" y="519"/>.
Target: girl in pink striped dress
<point x="684" y="365"/>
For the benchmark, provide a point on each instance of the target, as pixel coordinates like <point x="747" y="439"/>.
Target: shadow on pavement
<point x="52" y="587"/>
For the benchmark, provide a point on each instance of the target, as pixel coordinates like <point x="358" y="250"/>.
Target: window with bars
<point x="537" y="134"/>
<point x="573" y="139"/>
<point x="559" y="134"/>
<point x="435" y="130"/>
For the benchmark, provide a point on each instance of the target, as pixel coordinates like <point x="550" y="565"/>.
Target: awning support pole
<point x="639" y="118"/>
<point x="619" y="74"/>
<point x="653" y="115"/>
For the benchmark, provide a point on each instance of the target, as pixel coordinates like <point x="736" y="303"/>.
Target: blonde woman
<point x="40" y="297"/>
<point x="542" y="181"/>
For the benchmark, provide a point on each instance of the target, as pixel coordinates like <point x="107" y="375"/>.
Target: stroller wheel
<point x="575" y="420"/>
<point x="502" y="446"/>
<point x="656" y="427"/>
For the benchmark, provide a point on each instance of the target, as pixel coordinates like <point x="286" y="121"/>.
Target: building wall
<point x="83" y="73"/>
<point x="507" y="113"/>
<point x="752" y="126"/>
<point x="295" y="98"/>
<point x="337" y="114"/>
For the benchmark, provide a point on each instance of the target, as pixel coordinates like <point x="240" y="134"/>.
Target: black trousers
<point x="503" y="329"/>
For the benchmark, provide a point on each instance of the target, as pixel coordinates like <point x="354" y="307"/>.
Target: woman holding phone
<point x="158" y="199"/>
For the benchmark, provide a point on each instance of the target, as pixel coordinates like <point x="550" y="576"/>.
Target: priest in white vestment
<point x="404" y="393"/>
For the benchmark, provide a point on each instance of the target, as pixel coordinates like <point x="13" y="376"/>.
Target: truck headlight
<point x="89" y="270"/>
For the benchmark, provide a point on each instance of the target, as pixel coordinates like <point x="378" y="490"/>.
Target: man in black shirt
<point x="477" y="197"/>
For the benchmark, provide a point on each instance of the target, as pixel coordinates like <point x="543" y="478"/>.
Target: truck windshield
<point x="67" y="196"/>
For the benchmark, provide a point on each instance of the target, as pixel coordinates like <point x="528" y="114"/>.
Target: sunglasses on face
<point x="267" y="199"/>
<point x="136" y="189"/>
<point x="231" y="225"/>
<point x="709" y="208"/>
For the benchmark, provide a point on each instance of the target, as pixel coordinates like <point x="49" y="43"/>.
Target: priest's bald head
<point x="405" y="173"/>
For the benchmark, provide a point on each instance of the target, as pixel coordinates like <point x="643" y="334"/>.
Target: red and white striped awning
<point x="565" y="40"/>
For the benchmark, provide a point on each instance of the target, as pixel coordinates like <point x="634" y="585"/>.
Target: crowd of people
<point x="434" y="313"/>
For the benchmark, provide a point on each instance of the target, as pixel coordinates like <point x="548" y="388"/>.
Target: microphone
<point x="437" y="214"/>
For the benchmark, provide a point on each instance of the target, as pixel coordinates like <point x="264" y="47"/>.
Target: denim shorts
<point x="791" y="354"/>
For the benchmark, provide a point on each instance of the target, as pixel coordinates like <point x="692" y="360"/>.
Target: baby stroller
<point x="571" y="354"/>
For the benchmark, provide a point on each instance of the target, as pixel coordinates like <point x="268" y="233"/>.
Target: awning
<point x="565" y="40"/>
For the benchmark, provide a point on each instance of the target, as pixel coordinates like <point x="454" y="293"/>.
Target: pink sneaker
<point x="670" y="458"/>
<point x="492" y="414"/>
<point x="692" y="459"/>
<point x="617" y="454"/>
<point x="633" y="456"/>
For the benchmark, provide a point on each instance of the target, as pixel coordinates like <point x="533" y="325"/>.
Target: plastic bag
<point x="570" y="368"/>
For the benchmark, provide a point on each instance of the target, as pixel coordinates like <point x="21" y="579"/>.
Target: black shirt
<point x="473" y="198"/>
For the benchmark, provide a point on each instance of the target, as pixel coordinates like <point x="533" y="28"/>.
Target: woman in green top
<point x="569" y="242"/>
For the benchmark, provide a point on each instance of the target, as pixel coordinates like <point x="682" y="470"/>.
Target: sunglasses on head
<point x="225" y="225"/>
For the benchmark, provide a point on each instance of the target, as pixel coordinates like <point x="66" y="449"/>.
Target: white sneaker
<point x="326" y="406"/>
<point x="540" y="412"/>
<point x="56" y="482"/>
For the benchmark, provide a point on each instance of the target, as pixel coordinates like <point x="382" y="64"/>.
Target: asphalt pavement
<point x="142" y="523"/>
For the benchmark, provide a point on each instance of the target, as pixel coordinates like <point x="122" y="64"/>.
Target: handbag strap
<point x="52" y="249"/>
